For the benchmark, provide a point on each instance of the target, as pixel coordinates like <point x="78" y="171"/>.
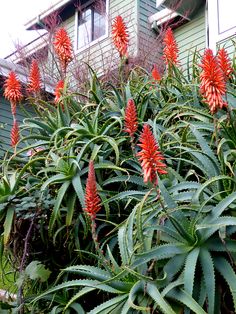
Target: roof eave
<point x="36" y="23"/>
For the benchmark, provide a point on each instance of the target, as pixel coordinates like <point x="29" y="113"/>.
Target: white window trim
<point x="94" y="42"/>
<point x="214" y="36"/>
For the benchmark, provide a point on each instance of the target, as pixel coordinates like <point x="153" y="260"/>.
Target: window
<point x="221" y="21"/>
<point x="91" y="23"/>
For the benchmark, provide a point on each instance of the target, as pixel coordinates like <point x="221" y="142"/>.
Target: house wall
<point x="148" y="41"/>
<point x="191" y="37"/>
<point x="102" y="54"/>
<point x="6" y="122"/>
<point x="229" y="45"/>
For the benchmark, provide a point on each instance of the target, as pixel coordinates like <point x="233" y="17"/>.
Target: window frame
<point x="93" y="42"/>
<point x="214" y="34"/>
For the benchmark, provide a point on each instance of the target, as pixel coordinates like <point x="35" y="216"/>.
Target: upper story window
<point x="91" y="23"/>
<point x="221" y="21"/>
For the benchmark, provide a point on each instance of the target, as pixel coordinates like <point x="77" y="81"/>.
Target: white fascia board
<point x="45" y="13"/>
<point x="159" y="2"/>
<point x="162" y="16"/>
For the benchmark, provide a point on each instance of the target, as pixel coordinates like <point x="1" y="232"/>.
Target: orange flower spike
<point x="224" y="63"/>
<point x="155" y="73"/>
<point x="12" y="91"/>
<point x="34" y="81"/>
<point x="212" y="82"/>
<point x="63" y="47"/>
<point x="170" y="51"/>
<point x="92" y="199"/>
<point x="150" y="157"/>
<point x="58" y="91"/>
<point x="120" y="36"/>
<point x="15" y="137"/>
<point x="131" y="120"/>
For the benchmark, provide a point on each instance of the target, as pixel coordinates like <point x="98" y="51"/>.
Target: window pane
<point x="226" y="13"/>
<point x="84" y="29"/>
<point x="99" y="27"/>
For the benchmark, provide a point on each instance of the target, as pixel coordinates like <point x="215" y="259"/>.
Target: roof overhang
<point x="21" y="72"/>
<point x="170" y="9"/>
<point x="37" y="22"/>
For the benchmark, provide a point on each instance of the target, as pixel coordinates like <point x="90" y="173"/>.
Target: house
<point x="197" y="24"/>
<point x="23" y="109"/>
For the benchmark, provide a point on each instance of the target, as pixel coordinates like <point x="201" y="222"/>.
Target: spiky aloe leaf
<point x="202" y="188"/>
<point x="208" y="229"/>
<point x="76" y="182"/>
<point x="158" y="298"/>
<point x="56" y="209"/>
<point x="124" y="253"/>
<point x="81" y="293"/>
<point x="217" y="245"/>
<point x="160" y="252"/>
<point x="78" y="283"/>
<point x="209" y="277"/>
<point x="174" y="266"/>
<point x="127" y="194"/>
<point x="186" y="299"/>
<point x="89" y="271"/>
<point x="204" y="146"/>
<point x="137" y="288"/>
<point x="189" y="270"/>
<point x="226" y="270"/>
<point x="8" y="223"/>
<point x="109" y="305"/>
<point x="125" y="179"/>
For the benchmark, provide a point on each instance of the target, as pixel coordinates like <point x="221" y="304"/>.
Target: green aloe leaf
<point x="186" y="299"/>
<point x="8" y="224"/>
<point x="189" y="270"/>
<point x="160" y="252"/>
<point x="226" y="270"/>
<point x="209" y="277"/>
<point x="158" y="298"/>
<point x="56" y="209"/>
<point x="109" y="305"/>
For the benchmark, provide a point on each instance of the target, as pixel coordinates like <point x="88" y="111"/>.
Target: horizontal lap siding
<point x="6" y="122"/>
<point x="102" y="55"/>
<point x="149" y="48"/>
<point x="190" y="37"/>
<point x="229" y="45"/>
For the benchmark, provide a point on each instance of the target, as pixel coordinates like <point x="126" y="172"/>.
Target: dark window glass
<point x="92" y="23"/>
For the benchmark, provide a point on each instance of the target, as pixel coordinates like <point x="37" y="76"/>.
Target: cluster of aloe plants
<point x="164" y="245"/>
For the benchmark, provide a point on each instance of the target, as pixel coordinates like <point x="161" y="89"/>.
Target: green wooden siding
<point x="148" y="45"/>
<point x="190" y="37"/>
<point x="229" y="44"/>
<point x="102" y="54"/>
<point x="6" y="122"/>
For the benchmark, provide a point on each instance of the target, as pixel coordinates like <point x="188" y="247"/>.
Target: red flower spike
<point x="15" y="137"/>
<point x="58" y="91"/>
<point x="63" y="47"/>
<point x="170" y="51"/>
<point x="212" y="82"/>
<point x="224" y="63"/>
<point x="120" y="36"/>
<point x="34" y="81"/>
<point x="12" y="91"/>
<point x="131" y="120"/>
<point x="150" y="157"/>
<point x="155" y="74"/>
<point x="92" y="200"/>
